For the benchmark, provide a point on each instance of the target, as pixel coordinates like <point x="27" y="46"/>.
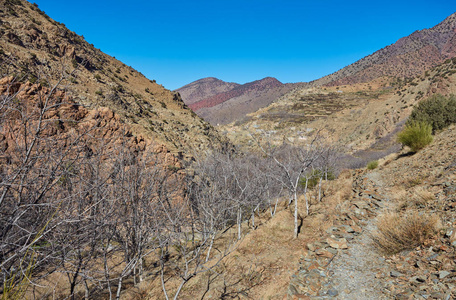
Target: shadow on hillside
<point x="407" y="154"/>
<point x="381" y="148"/>
<point x="234" y="291"/>
<point x="360" y="159"/>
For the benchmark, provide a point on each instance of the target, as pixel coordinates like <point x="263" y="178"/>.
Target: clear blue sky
<point x="177" y="42"/>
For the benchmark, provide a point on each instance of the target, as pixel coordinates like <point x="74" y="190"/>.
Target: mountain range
<point x="408" y="57"/>
<point x="219" y="102"/>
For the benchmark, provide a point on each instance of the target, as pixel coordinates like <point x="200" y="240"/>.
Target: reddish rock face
<point x="204" y="88"/>
<point x="65" y="120"/>
<point x="250" y="87"/>
<point x="38" y="49"/>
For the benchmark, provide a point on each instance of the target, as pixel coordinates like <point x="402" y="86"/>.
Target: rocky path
<point x="345" y="265"/>
<point x="355" y="272"/>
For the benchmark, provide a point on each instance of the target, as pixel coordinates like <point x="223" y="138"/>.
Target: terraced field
<point x="294" y="117"/>
<point x="310" y="107"/>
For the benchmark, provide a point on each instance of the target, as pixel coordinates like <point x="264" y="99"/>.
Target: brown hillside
<point x="65" y="121"/>
<point x="204" y="88"/>
<point x="249" y="87"/>
<point x="36" y="48"/>
<point x="233" y="105"/>
<point x="407" y="58"/>
<point x="358" y="116"/>
<point x="236" y="108"/>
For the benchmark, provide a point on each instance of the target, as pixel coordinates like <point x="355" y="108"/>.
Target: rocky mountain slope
<point x="204" y="88"/>
<point x="69" y="125"/>
<point x="35" y="48"/>
<point x="235" y="103"/>
<point x="359" y="116"/>
<point x="337" y="238"/>
<point x="408" y="57"/>
<point x="75" y="124"/>
<point x="348" y="264"/>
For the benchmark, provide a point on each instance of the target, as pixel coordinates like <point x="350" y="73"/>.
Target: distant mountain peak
<point x="207" y="79"/>
<point x="221" y="102"/>
<point x="270" y="79"/>
<point x="204" y="88"/>
<point x="257" y="85"/>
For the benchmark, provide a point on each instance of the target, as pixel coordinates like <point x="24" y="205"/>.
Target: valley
<point x="114" y="187"/>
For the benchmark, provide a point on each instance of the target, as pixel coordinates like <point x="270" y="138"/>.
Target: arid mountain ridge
<point x="235" y="101"/>
<point x="204" y="88"/>
<point x="409" y="57"/>
<point x="236" y="91"/>
<point x="35" y="48"/>
<point x="364" y="115"/>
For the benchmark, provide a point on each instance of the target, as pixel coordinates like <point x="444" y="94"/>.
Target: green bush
<point x="313" y="178"/>
<point x="372" y="164"/>
<point x="416" y="135"/>
<point x="437" y="110"/>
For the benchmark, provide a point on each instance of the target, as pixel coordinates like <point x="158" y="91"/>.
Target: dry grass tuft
<point x="340" y="189"/>
<point x="398" y="232"/>
<point x="412" y="182"/>
<point x="423" y="196"/>
<point x="420" y="198"/>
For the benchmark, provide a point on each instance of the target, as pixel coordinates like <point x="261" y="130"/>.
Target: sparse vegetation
<point x="117" y="210"/>
<point x="398" y="232"/>
<point x="416" y="135"/>
<point x="372" y="165"/>
<point x="420" y="199"/>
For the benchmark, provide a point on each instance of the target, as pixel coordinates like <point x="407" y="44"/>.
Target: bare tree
<point x="140" y="187"/>
<point x="292" y="163"/>
<point x="327" y="165"/>
<point x="208" y="201"/>
<point x="34" y="165"/>
<point x="186" y="238"/>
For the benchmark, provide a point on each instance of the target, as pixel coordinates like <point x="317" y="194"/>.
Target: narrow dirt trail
<point x="354" y="272"/>
<point x="346" y="265"/>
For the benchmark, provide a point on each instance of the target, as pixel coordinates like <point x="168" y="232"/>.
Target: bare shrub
<point x="423" y="195"/>
<point x="397" y="232"/>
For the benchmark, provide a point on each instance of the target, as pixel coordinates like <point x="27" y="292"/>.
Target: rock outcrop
<point x="34" y="48"/>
